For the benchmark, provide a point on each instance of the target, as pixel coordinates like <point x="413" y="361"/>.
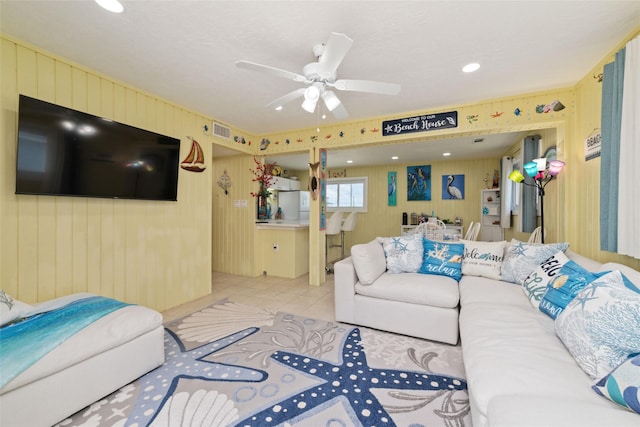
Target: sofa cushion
<point x="404" y="253"/>
<point x="442" y="258"/>
<point x="368" y="261"/>
<point x="415" y="288"/>
<point x="535" y="285"/>
<point x="483" y="258"/>
<point x="520" y="258"/>
<point x="601" y="326"/>
<point x="622" y="385"/>
<point x="482" y="290"/>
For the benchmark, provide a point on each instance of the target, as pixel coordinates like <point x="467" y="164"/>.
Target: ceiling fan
<point x="320" y="78"/>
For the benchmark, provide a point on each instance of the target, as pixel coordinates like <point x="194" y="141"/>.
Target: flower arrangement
<point x="263" y="176"/>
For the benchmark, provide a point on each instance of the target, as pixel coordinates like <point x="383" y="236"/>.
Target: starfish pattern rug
<point x="234" y="365"/>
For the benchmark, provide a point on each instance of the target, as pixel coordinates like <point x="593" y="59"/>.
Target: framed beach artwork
<point x="419" y="183"/>
<point x="453" y="187"/>
<point x="392" y="189"/>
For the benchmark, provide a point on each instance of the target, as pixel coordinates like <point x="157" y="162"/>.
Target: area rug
<point x="234" y="365"/>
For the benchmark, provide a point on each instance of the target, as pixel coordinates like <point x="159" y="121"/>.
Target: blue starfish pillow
<point x="444" y="259"/>
<point x="404" y="253"/>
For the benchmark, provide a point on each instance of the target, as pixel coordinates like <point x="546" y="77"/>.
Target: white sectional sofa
<point x="519" y="372"/>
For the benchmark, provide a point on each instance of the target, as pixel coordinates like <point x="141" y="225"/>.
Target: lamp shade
<point x="531" y="168"/>
<point x="541" y="163"/>
<point x="516" y="176"/>
<point x="330" y="100"/>
<point x="555" y="167"/>
<point x="311" y="96"/>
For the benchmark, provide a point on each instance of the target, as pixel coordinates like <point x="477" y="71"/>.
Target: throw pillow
<point x="601" y="326"/>
<point x="520" y="259"/>
<point x="483" y="258"/>
<point x="535" y="285"/>
<point x="622" y="385"/>
<point x="444" y="259"/>
<point x="11" y="309"/>
<point x="404" y="254"/>
<point x="570" y="280"/>
<point x="368" y="261"/>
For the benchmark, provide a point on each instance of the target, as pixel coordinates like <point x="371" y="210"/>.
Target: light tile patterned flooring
<point x="293" y="296"/>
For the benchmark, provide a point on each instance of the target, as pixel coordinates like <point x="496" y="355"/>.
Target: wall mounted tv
<point x="64" y="152"/>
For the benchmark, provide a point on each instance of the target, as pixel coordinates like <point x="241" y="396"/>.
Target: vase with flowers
<point x="264" y="177"/>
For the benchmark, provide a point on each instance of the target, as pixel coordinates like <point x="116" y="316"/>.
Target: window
<point x="347" y="194"/>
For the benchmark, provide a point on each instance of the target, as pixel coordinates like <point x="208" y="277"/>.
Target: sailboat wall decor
<point x="194" y="162"/>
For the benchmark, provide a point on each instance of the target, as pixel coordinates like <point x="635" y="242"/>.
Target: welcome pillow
<point x="535" y="285"/>
<point x="444" y="259"/>
<point x="404" y="254"/>
<point x="483" y="258"/>
<point x="601" y="326"/>
<point x="521" y="258"/>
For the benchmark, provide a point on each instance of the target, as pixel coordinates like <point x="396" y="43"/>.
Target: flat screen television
<point x="64" y="152"/>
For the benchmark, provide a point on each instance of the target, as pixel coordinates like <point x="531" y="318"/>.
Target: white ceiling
<point x="185" y="51"/>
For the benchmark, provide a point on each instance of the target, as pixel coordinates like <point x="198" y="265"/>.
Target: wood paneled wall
<point x="156" y="254"/>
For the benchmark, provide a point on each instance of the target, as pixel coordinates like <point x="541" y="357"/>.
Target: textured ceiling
<point x="185" y="51"/>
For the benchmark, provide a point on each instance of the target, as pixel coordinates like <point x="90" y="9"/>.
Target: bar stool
<point x="333" y="227"/>
<point x="348" y="225"/>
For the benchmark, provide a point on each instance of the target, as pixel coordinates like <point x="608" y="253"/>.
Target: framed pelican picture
<point x="419" y="182"/>
<point x="452" y="187"/>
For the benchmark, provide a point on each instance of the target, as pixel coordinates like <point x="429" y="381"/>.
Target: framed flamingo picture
<point x="452" y="187"/>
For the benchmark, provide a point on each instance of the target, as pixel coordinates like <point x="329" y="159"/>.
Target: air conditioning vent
<point x="221" y="131"/>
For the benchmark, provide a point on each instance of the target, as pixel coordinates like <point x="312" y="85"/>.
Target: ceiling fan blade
<point x="286" y="98"/>
<point x="367" y="86"/>
<point x="247" y="65"/>
<point x="340" y="112"/>
<point x="334" y="51"/>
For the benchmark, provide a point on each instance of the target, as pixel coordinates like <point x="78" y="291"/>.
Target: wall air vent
<point x="221" y="131"/>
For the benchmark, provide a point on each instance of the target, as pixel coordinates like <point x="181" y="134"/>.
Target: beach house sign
<point x="422" y="123"/>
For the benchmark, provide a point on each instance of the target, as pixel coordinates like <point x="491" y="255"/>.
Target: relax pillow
<point x="520" y="259"/>
<point x="601" y="326"/>
<point x="11" y="309"/>
<point x="622" y="385"/>
<point x="444" y="259"/>
<point x="535" y="285"/>
<point x="368" y="261"/>
<point x="483" y="258"/>
<point x="404" y="254"/>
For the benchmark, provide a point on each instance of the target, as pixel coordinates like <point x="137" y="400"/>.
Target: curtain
<point x="506" y="167"/>
<point x="612" y="85"/>
<point x="628" y="189"/>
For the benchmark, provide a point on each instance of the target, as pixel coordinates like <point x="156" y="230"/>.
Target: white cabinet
<point x="284" y="184"/>
<point x="491" y="230"/>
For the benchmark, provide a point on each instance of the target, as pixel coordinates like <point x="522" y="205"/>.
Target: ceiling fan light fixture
<point x="111" y="5"/>
<point x="311" y="96"/>
<point x="330" y="100"/>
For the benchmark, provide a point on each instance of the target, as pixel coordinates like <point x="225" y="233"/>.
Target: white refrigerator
<point x="294" y="205"/>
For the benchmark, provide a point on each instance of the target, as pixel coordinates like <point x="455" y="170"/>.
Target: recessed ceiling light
<point x="349" y="161"/>
<point x="446" y="154"/>
<point x="394" y="158"/>
<point x="279" y="108"/>
<point x="470" y="68"/>
<point x="111" y="5"/>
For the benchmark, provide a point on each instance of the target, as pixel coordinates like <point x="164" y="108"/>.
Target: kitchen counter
<point x="282" y="248"/>
<point x="281" y="224"/>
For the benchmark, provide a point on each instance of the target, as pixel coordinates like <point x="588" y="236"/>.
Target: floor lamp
<point x="542" y="173"/>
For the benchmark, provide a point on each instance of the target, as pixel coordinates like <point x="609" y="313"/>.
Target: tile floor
<point x="294" y="296"/>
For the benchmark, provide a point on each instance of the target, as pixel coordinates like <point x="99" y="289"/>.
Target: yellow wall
<point x="162" y="254"/>
<point x="153" y="253"/>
